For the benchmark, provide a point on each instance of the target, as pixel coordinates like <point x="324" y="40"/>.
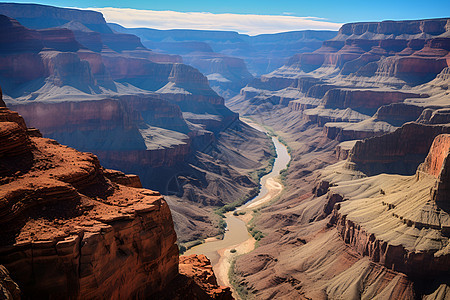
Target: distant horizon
<point x="269" y="18"/>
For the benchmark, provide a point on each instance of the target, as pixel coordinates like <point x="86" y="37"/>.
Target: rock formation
<point x="139" y="111"/>
<point x="366" y="69"/>
<point x="70" y="231"/>
<point x="8" y="288"/>
<point x="196" y="281"/>
<point x="417" y="213"/>
<point x="399" y="152"/>
<point x="366" y="118"/>
<point x="228" y="59"/>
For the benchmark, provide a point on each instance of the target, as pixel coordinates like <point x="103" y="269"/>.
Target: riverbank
<point x="237" y="240"/>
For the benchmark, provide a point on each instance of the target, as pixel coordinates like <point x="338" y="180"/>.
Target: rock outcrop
<point x="407" y="205"/>
<point x="387" y="75"/>
<point x="381" y="90"/>
<point x="198" y="267"/>
<point x="399" y="152"/>
<point x="68" y="231"/>
<point x="437" y="164"/>
<point x="139" y="111"/>
<point x="72" y="229"/>
<point x="9" y="290"/>
<point x="196" y="281"/>
<point x="261" y="53"/>
<point x="365" y="100"/>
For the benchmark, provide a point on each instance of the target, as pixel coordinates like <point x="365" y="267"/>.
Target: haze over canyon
<point x="310" y="164"/>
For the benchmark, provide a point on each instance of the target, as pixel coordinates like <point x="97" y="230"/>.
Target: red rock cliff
<point x="437" y="163"/>
<point x="403" y="206"/>
<point x="397" y="152"/>
<point x="67" y="231"/>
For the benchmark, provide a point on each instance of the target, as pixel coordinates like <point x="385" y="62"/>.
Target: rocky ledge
<point x="196" y="281"/>
<point x="401" y="222"/>
<point x="69" y="231"/>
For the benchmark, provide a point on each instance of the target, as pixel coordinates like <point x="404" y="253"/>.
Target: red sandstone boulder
<point x="196" y="281"/>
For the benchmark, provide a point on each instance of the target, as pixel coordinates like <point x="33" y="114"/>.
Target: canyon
<point x="361" y="212"/>
<point x="72" y="229"/>
<point x="139" y="111"/>
<point x="229" y="59"/>
<point x="364" y="213"/>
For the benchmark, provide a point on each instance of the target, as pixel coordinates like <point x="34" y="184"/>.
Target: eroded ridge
<point x="401" y="222"/>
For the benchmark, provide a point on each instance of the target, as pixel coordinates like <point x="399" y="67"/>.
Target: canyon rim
<point x="122" y="148"/>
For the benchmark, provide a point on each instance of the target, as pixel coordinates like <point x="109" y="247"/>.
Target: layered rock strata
<point x="380" y="84"/>
<point x="68" y="231"/>
<point x="399" y="152"/>
<point x="141" y="112"/>
<point x="9" y="290"/>
<point x="418" y="246"/>
<point x="372" y="77"/>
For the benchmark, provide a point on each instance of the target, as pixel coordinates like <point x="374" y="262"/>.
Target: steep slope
<point x="373" y="225"/>
<point x="364" y="68"/>
<point x="159" y="120"/>
<point x="262" y="53"/>
<point x="224" y="57"/>
<point x="69" y="231"/>
<point x="72" y="229"/>
<point x="305" y="254"/>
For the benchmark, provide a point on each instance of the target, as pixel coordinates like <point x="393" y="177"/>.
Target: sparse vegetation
<point x="258" y="174"/>
<point x="284" y="173"/>
<point x="238" y="213"/>
<point x="182" y="248"/>
<point x="232" y="206"/>
<point x="222" y="225"/>
<point x="251" y="227"/>
<point x="241" y="289"/>
<point x="233" y="250"/>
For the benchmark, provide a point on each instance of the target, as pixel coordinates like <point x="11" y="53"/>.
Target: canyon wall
<point x="426" y="259"/>
<point x="72" y="229"/>
<point x="139" y="111"/>
<point x="229" y="59"/>
<point x="69" y="231"/>
<point x="375" y="97"/>
<point x="399" y="152"/>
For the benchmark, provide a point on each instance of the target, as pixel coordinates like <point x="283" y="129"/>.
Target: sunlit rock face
<point x="65" y="223"/>
<point x="366" y="117"/>
<point x="357" y="84"/>
<point x="139" y="111"/>
<point x="417" y="206"/>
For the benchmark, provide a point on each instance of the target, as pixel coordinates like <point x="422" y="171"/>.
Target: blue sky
<point x="290" y="14"/>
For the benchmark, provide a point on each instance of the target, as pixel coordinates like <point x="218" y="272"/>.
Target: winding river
<point x="237" y="240"/>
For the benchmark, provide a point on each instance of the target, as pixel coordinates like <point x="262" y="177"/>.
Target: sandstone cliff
<point x="138" y="111"/>
<point x="353" y="228"/>
<point x="69" y="231"/>
<point x="399" y="152"/>
<point x="381" y="90"/>
<point x="366" y="67"/>
<point x="262" y="53"/>
<point x="404" y="203"/>
<point x="196" y="281"/>
<point x="72" y="229"/>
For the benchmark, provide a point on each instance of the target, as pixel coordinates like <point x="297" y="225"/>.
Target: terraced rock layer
<point x="70" y="232"/>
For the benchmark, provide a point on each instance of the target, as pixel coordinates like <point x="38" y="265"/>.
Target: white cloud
<point x="249" y="24"/>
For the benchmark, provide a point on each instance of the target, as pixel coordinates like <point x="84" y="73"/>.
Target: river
<point x="237" y="240"/>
